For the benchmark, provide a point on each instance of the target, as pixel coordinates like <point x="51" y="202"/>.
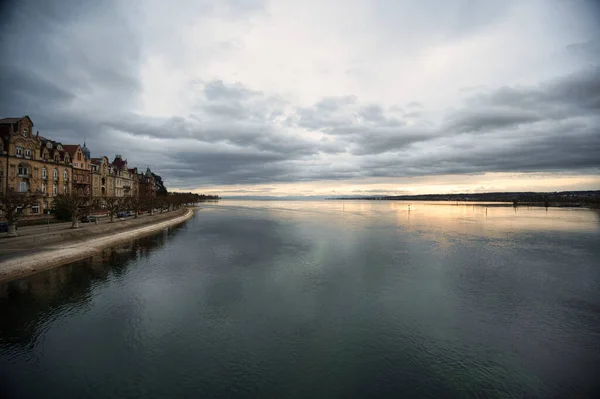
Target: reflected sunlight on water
<point x="319" y="299"/>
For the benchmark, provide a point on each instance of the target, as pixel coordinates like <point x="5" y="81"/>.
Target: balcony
<point x="24" y="175"/>
<point x="45" y="177"/>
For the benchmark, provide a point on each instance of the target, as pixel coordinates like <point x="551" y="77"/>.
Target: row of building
<point x="30" y="163"/>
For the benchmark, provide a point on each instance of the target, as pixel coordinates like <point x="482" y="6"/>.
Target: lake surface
<point x="334" y="299"/>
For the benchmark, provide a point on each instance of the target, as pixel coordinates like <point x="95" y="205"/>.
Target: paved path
<point x="54" y="227"/>
<point x="80" y="246"/>
<point x="31" y="239"/>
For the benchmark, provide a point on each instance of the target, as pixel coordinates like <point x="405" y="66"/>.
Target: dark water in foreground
<point x="319" y="299"/>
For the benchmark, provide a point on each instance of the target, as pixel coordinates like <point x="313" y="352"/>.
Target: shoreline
<point x="54" y="256"/>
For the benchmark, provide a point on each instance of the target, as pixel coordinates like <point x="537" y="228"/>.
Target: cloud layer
<point x="246" y="92"/>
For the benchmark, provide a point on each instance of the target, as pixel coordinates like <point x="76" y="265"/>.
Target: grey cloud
<point x="479" y="119"/>
<point x="78" y="79"/>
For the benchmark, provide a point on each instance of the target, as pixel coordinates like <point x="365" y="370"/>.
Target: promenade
<point x="36" y="248"/>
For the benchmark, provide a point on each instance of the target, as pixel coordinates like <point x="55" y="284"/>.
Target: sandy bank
<point x="56" y="255"/>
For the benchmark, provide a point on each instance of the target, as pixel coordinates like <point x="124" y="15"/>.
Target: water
<point x="319" y="299"/>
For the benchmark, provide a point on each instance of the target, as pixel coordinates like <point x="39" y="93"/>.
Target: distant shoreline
<point x="563" y="199"/>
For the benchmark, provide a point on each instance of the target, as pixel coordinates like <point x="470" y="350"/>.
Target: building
<point x="32" y="164"/>
<point x="103" y="177"/>
<point x="56" y="170"/>
<point x="126" y="180"/>
<point x="147" y="185"/>
<point x="82" y="169"/>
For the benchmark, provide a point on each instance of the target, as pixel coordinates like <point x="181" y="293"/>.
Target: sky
<point x="316" y="97"/>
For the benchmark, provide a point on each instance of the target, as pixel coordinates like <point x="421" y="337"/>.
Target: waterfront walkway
<point x="36" y="250"/>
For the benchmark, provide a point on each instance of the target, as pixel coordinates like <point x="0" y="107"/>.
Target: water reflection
<point x="27" y="303"/>
<point x="309" y="299"/>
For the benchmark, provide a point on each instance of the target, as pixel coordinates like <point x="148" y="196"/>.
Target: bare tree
<point x="136" y="205"/>
<point x="160" y="202"/>
<point x="13" y="204"/>
<point x="74" y="204"/>
<point x="113" y="205"/>
<point x="149" y="203"/>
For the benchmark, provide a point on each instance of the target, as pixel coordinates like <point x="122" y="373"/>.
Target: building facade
<point x="82" y="169"/>
<point x="126" y="180"/>
<point x="32" y="164"/>
<point x="103" y="177"/>
<point x="147" y="185"/>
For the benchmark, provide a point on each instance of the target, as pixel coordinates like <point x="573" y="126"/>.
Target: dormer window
<point x="49" y="145"/>
<point x="25" y="132"/>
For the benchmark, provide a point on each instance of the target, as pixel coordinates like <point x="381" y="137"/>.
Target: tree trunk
<point x="151" y="212"/>
<point x="112" y="217"/>
<point x="12" y="230"/>
<point x="75" y="223"/>
<point x="136" y="214"/>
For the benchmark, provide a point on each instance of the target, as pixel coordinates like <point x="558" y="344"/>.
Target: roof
<point x="14" y="120"/>
<point x="71" y="148"/>
<point x="10" y="120"/>
<point x="120" y="163"/>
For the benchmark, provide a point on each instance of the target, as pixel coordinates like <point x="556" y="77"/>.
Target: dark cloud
<point x="75" y="68"/>
<point x="485" y="119"/>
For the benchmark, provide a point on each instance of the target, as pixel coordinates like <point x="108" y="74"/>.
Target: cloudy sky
<point x="321" y="97"/>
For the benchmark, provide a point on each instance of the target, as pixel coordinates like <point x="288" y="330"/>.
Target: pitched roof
<point x="71" y="148"/>
<point x="14" y="120"/>
<point x="120" y="163"/>
<point x="10" y="120"/>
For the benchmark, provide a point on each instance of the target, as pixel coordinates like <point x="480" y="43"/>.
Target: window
<point x="19" y="151"/>
<point x="23" y="171"/>
<point x="44" y="173"/>
<point x="49" y="145"/>
<point x="54" y="190"/>
<point x="35" y="208"/>
<point x="25" y="132"/>
<point x="57" y="158"/>
<point x="75" y="164"/>
<point x="65" y="175"/>
<point x="44" y="188"/>
<point x="23" y="187"/>
<point x="65" y="189"/>
<point x="55" y="174"/>
<point x="28" y="154"/>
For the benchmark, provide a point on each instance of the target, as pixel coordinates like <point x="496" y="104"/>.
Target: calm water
<point x="319" y="299"/>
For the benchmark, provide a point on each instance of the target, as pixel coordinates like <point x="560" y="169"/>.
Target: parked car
<point x="130" y="213"/>
<point x="89" y="219"/>
<point x="122" y="214"/>
<point x="3" y="227"/>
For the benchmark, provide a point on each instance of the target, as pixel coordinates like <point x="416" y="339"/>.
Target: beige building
<point x="33" y="164"/>
<point x="103" y="178"/>
<point x="126" y="182"/>
<point x="82" y="169"/>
